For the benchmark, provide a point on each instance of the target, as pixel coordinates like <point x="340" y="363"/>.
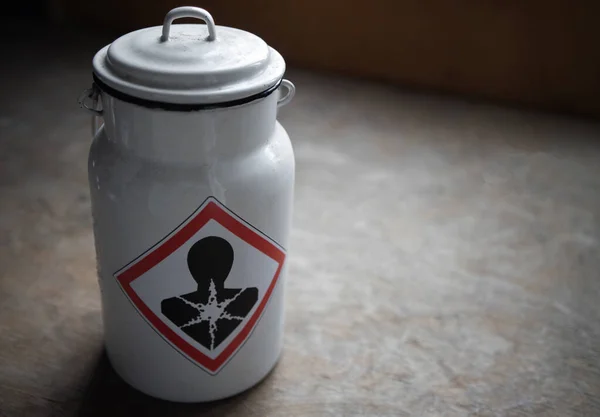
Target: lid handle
<point x="188" y="11"/>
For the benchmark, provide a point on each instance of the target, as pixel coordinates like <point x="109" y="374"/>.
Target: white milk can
<point x="191" y="180"/>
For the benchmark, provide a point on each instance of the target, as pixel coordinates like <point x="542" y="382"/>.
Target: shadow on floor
<point x="108" y="395"/>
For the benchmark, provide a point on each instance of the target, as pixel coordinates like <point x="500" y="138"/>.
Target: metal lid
<point x="189" y="63"/>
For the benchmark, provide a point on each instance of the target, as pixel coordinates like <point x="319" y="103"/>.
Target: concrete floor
<point x="445" y="255"/>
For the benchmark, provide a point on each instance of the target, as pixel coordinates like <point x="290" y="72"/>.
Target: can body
<point x="187" y="319"/>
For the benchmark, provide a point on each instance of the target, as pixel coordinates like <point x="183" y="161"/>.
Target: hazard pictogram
<point x="204" y="287"/>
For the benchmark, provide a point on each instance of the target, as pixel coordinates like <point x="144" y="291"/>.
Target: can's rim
<point x="181" y="107"/>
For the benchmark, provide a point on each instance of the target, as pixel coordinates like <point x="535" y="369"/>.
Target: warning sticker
<point x="204" y="287"/>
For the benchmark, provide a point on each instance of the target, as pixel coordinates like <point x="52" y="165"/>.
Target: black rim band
<point x="179" y="107"/>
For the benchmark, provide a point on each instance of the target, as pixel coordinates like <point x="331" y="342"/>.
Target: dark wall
<point x="544" y="53"/>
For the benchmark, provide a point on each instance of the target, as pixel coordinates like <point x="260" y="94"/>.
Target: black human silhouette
<point x="212" y="312"/>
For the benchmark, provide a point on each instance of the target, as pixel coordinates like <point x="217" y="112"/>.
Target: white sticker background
<point x="172" y="278"/>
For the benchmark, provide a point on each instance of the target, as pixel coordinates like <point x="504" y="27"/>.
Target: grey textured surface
<point x="444" y="258"/>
